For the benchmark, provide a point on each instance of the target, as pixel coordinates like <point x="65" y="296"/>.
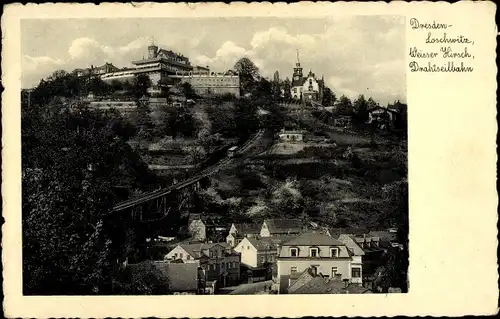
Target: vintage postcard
<point x="249" y="159"/>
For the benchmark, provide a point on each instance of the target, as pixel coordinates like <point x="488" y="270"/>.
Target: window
<point x="356" y="272"/>
<point x="228" y="265"/>
<point x="175" y="256"/>
<point x="294" y="90"/>
<point x="314" y="269"/>
<point x="293" y="269"/>
<point x="271" y="258"/>
<point x="334" y="252"/>
<point x="262" y="259"/>
<point x="188" y="257"/>
<point x="294" y="252"/>
<point x="222" y="265"/>
<point x="313" y="252"/>
<point x="334" y="271"/>
<point x="181" y="255"/>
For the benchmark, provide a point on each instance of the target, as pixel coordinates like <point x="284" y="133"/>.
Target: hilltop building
<point x="306" y="88"/>
<point x="168" y="68"/>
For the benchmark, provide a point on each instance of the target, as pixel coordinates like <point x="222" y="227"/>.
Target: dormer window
<point x="294" y="252"/>
<point x="314" y="252"/>
<point x="334" y="252"/>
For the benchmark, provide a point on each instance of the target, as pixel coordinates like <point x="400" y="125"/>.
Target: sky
<point x="355" y="54"/>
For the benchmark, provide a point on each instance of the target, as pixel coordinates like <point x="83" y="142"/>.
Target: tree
<point x="287" y="90"/>
<point x="360" y="110"/>
<point x="245" y="119"/>
<point x="141" y="84"/>
<point x="344" y="106"/>
<point x="222" y="120"/>
<point x="143" y="120"/>
<point x="396" y="209"/>
<point x="401" y="121"/>
<point x="329" y="97"/>
<point x="71" y="163"/>
<point x="248" y="72"/>
<point x="188" y="90"/>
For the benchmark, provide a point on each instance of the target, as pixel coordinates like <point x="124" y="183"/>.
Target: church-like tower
<point x="297" y="70"/>
<point x="152" y="50"/>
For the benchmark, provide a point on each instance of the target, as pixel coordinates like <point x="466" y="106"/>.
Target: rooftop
<point x="195" y="249"/>
<point x="267" y="243"/>
<point x="283" y="225"/>
<point x="247" y="228"/>
<point x="313" y="238"/>
<point x="319" y="285"/>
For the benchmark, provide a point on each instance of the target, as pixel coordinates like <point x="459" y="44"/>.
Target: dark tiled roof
<point x="319" y="285"/>
<point x="313" y="238"/>
<point x="383" y="235"/>
<point x="246" y="228"/>
<point x="283" y="226"/>
<point x="336" y="232"/>
<point x="196" y="250"/>
<point x="268" y="243"/>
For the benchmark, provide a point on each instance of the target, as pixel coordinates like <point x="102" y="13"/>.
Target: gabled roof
<point x="382" y="109"/>
<point x="264" y="244"/>
<point x="247" y="228"/>
<point x="313" y="239"/>
<point x="351" y="244"/>
<point x="283" y="226"/>
<point x="196" y="250"/>
<point x="383" y="235"/>
<point x="336" y="232"/>
<point x="319" y="285"/>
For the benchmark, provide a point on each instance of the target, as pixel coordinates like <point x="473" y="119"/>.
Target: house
<point x="239" y="231"/>
<point x="373" y="243"/>
<point x="308" y="282"/>
<point x="382" y="117"/>
<point x="291" y="136"/>
<point x="197" y="228"/>
<point x="257" y="252"/>
<point x="281" y="227"/>
<point x="307" y="88"/>
<point x="356" y="251"/>
<point x="258" y="257"/>
<point x="323" y="254"/>
<point x="218" y="261"/>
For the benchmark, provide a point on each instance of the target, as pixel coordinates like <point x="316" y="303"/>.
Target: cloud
<point x="85" y="48"/>
<point x="356" y="55"/>
<point x="36" y="68"/>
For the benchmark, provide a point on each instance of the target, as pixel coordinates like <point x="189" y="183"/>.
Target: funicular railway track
<point x="204" y="173"/>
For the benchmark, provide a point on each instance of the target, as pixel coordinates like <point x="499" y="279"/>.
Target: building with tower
<point x="165" y="67"/>
<point x="306" y="88"/>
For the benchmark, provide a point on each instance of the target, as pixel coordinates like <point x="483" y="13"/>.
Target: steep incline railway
<point x="205" y="173"/>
